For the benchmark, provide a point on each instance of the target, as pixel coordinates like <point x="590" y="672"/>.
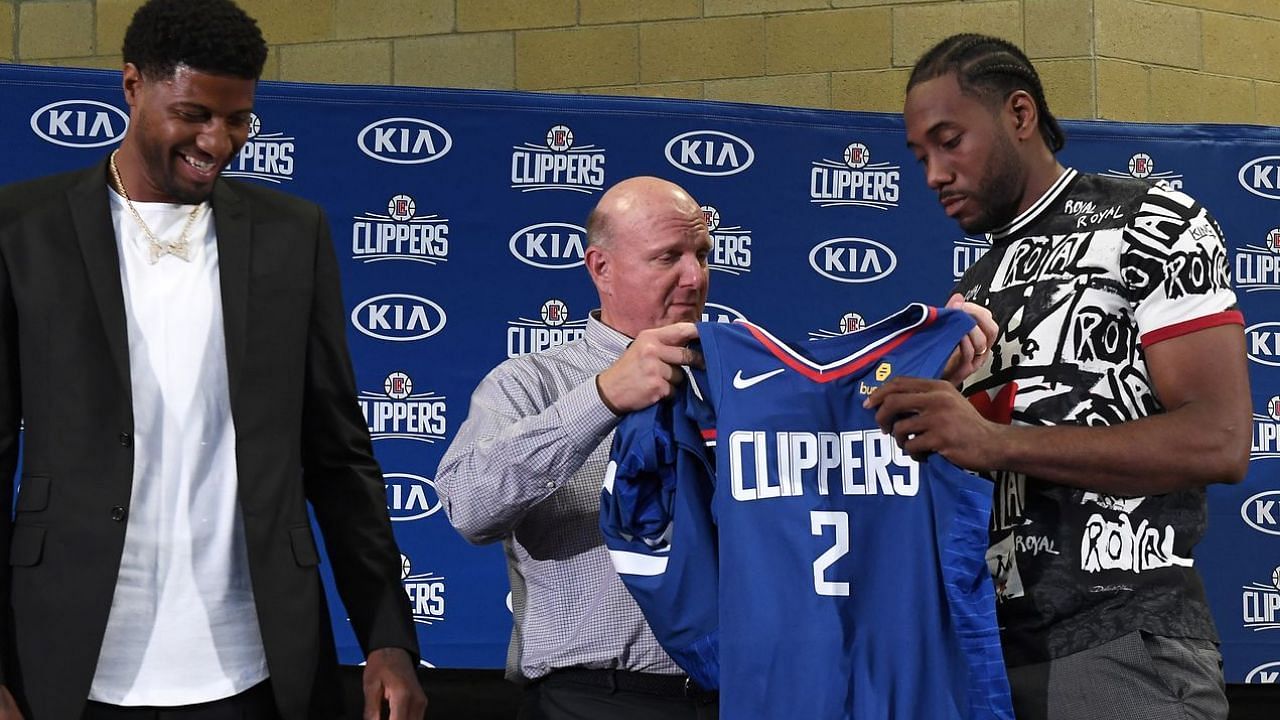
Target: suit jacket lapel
<point x="91" y="216"/>
<point x="235" y="244"/>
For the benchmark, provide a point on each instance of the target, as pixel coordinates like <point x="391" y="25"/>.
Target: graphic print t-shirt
<point x="1080" y="283"/>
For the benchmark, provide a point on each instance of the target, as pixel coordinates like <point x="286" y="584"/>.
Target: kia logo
<point x="551" y="245"/>
<point x="404" y="141"/>
<point x="80" y="123"/>
<point x="1264" y="343"/>
<point x="1261" y="176"/>
<point x="398" y="318"/>
<point x="410" y="497"/>
<point x="1262" y="512"/>
<point x="709" y="152"/>
<point x="1268" y="673"/>
<point x="852" y="260"/>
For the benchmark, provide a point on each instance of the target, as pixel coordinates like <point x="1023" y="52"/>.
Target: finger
<point x="893" y="409"/>
<point x="879" y="395"/>
<point x="910" y="423"/>
<point x="676" y="333"/>
<point x="987" y="323"/>
<point x="398" y="701"/>
<point x="979" y="341"/>
<point x="673" y="354"/>
<point x="372" y="699"/>
<point x="675" y="375"/>
<point x="955" y="301"/>
<point x="905" y="384"/>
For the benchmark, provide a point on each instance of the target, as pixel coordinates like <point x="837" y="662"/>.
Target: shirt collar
<point x="1037" y="207"/>
<point x="604" y="337"/>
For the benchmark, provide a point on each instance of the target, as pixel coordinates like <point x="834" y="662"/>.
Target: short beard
<point x="1004" y="181"/>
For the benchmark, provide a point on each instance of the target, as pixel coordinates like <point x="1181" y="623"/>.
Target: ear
<point x="1024" y="114"/>
<point x="599" y="268"/>
<point x="132" y="83"/>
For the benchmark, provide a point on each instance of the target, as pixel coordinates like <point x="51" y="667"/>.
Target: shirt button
<point x="126" y="440"/>
<point x="118" y="513"/>
<point x="551" y="484"/>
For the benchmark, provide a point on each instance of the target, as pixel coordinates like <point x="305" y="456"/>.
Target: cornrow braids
<point x="213" y="36"/>
<point x="989" y="68"/>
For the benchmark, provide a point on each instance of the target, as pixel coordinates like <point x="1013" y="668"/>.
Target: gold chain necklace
<point x="178" y="248"/>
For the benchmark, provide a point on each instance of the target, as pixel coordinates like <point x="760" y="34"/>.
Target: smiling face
<point x="968" y="152"/>
<point x="183" y="130"/>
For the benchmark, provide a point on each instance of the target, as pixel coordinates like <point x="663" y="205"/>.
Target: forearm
<point x="500" y="466"/>
<point x="1151" y="456"/>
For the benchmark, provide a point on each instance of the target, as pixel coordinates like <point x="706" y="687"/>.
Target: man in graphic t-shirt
<point x="1115" y="393"/>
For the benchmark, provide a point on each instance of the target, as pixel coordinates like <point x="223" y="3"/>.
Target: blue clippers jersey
<point x="780" y="543"/>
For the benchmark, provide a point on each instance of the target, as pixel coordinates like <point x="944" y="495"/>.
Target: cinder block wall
<point x="1154" y="60"/>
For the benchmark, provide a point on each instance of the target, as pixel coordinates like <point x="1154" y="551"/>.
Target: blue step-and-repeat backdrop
<point x="458" y="218"/>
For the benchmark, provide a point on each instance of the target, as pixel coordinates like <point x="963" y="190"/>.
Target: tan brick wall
<point x="55" y="29"/>
<point x="1157" y="60"/>
<point x="364" y="62"/>
<point x="7" y="29"/>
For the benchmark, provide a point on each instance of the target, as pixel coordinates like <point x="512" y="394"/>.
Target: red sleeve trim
<point x="1226" y="317"/>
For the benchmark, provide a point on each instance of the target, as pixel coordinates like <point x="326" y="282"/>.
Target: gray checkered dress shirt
<point x="526" y="468"/>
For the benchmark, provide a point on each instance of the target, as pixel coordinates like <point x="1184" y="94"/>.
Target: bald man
<point x="527" y="465"/>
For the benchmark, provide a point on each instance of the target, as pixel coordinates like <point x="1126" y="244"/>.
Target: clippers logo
<point x="553" y="329"/>
<point x="715" y="312"/>
<point x="1267" y="673"/>
<point x="1143" y="167"/>
<point x="1264" y="343"/>
<point x="425" y="591"/>
<point x="397" y="317"/>
<point x="404" y="141"/>
<point x="730" y="245"/>
<point x="410" y="497"/>
<point x="709" y="152"/>
<point x="1261" y="176"/>
<point x="849" y="322"/>
<point x="966" y="252"/>
<point x="1258" y="267"/>
<point x="268" y="158"/>
<point x="80" y="123"/>
<point x="854" y="181"/>
<point x="558" y="165"/>
<point x="1262" y="512"/>
<point x="852" y="260"/>
<point x="550" y="246"/>
<point x="397" y="413"/>
<point x="401" y="234"/>
<point x="1261" y="604"/>
<point x="1266" y="432"/>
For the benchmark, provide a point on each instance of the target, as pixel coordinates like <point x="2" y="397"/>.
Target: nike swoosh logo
<point x="741" y="383"/>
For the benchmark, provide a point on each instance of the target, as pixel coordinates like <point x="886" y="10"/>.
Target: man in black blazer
<point x="175" y="343"/>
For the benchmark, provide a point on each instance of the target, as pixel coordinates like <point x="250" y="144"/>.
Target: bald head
<point x="647" y="246"/>
<point x="635" y="200"/>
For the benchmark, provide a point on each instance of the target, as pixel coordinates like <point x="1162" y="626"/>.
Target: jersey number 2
<point x="839" y="520"/>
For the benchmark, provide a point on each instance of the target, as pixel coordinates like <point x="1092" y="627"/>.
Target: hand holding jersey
<point x="971" y="353"/>
<point x="649" y="369"/>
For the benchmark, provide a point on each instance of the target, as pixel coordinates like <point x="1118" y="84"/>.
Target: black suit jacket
<point x="64" y="367"/>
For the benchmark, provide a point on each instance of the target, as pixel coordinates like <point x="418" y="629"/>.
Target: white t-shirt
<point x="183" y="628"/>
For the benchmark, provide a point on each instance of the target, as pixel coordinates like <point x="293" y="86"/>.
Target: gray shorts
<point x="1135" y="677"/>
